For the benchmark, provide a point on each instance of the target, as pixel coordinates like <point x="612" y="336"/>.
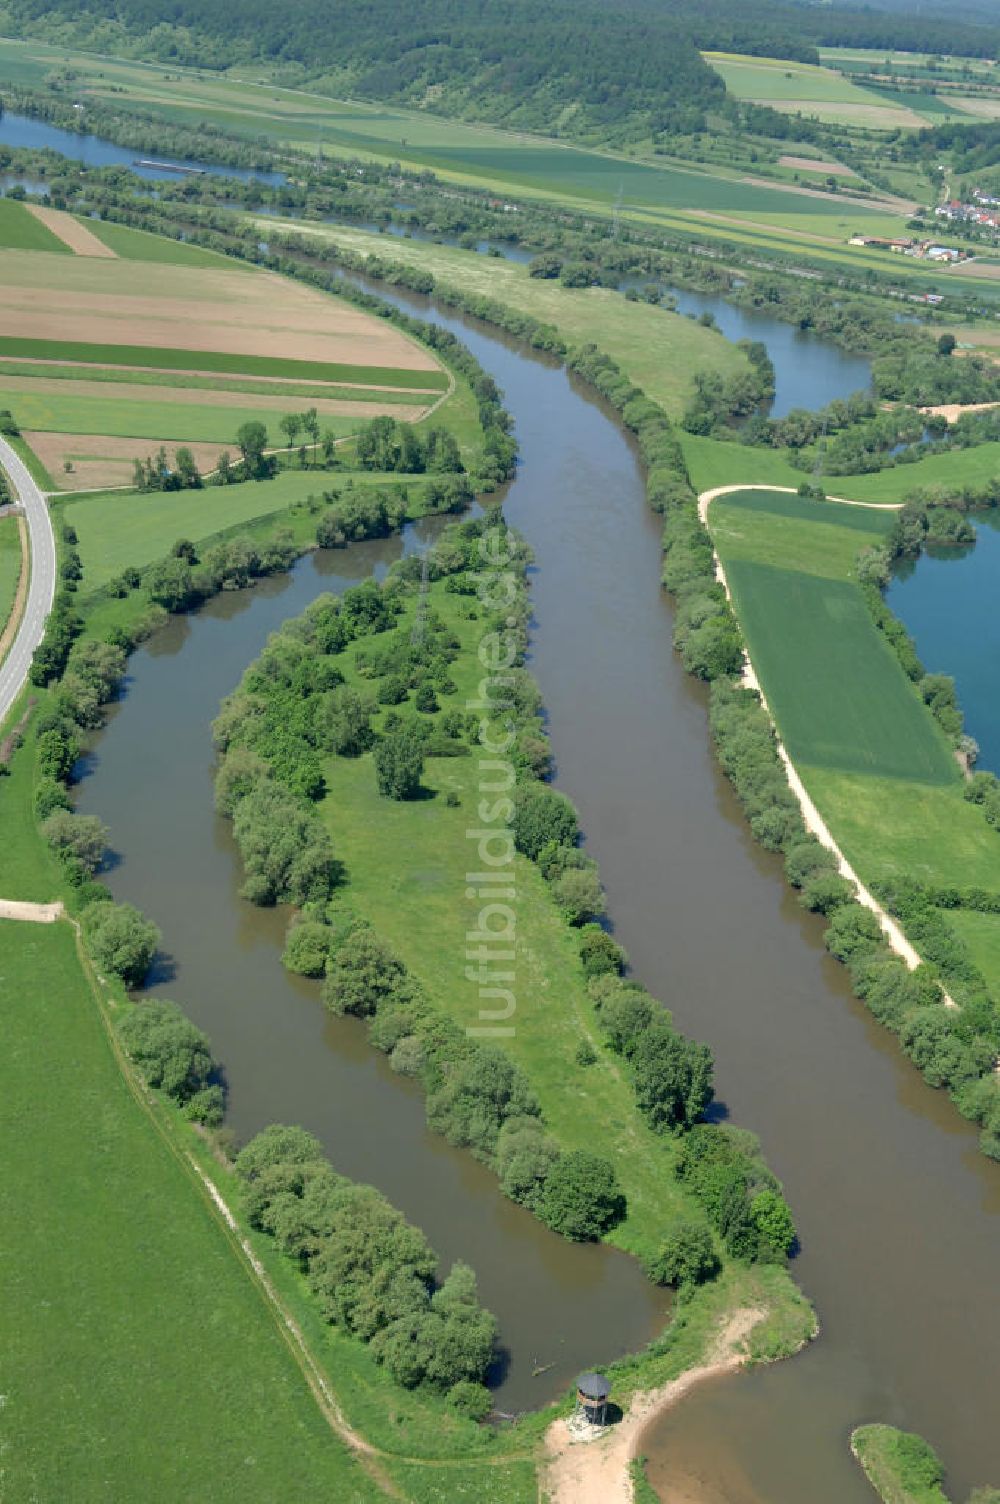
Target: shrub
<point x="601" y="956"/>
<point x="823" y="892"/>
<point x="853" y="930"/>
<point x="286" y="851"/>
<point x="688" y="1257"/>
<point x="773" y="1221"/>
<point x="78" y="838"/>
<point x="625" y="1012"/>
<point x="174" y="1056"/>
<point x="362" y="975"/>
<point x="525" y="1154"/>
<point x="542" y="816"/>
<point x="579" y="894"/>
<point x="582" y="1198"/>
<point x="307" y="948"/>
<point x="120" y="940"/>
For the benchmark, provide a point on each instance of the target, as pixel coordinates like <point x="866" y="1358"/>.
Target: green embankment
<point x="221" y="361"/>
<point x="10" y="567"/>
<point x="871" y="755"/>
<point x="901" y="1467"/>
<point x="659" y="350"/>
<point x="139" y="1359"/>
<point x="141" y="245"/>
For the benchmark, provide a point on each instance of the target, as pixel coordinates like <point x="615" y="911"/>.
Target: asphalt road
<point x="41" y="589"/>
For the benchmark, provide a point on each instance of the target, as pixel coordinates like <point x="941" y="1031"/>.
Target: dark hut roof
<point x="593" y="1386"/>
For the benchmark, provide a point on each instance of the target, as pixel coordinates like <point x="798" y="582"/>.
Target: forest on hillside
<point x="566" y="67"/>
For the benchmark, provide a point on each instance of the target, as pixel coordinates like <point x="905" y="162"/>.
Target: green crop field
<point x="188" y="381"/>
<point x="837" y="691"/>
<point x="21" y="231"/>
<point x="139" y="1360"/>
<point x="128" y="418"/>
<point x="10" y="566"/>
<point x="813" y="537"/>
<point x="221" y="361"/>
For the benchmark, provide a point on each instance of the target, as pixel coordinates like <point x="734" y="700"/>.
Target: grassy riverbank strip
<point x="901" y="1467"/>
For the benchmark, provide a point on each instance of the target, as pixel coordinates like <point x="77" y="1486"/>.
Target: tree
<point x="525" y="1154"/>
<point x="688" y="1257"/>
<point x="290" y="425"/>
<point x="673" y="1076"/>
<point x="186" y="470"/>
<point x="81" y="838"/>
<point x="344" y="722"/>
<point x="579" y="894"/>
<point x="251" y="439"/>
<point x="120" y="939"/>
<point x="946" y="344"/>
<point x="773" y="1221"/>
<point x="600" y="954"/>
<point x="540" y="816"/>
<point x="307" y="948"/>
<point x="171" y="584"/>
<point x="399" y="763"/>
<point x="310" y="422"/>
<point x="582" y="1197"/>
<point x="362" y="974"/>
<point x="172" y="1054"/>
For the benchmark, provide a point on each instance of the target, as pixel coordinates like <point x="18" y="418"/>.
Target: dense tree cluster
<point x="371" y="1271"/>
<point x="386" y="444"/>
<point x="175" y="1057"/>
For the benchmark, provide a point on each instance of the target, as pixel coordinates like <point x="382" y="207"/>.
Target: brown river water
<point x="899" y="1216"/>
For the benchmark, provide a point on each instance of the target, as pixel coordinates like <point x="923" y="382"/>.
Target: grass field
<point x="138" y="1358"/>
<point x="659" y="350"/>
<point x="140" y="245"/>
<point x="10" y="567"/>
<point x="813" y="537"/>
<point x="21" y="231"/>
<point x="957" y="467"/>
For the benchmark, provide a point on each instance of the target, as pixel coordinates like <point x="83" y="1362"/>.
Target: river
<point x="899" y="1216"/>
<point x="96" y="151"/>
<point x="948" y="601"/>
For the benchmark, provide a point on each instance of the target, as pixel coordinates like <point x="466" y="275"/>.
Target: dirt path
<point x="20" y="594"/>
<point x="952" y="411"/>
<point x="597" y="1472"/>
<point x="32" y="913"/>
<point x="811" y="816"/>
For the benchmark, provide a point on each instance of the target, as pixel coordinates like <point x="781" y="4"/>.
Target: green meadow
<point x="138" y="1358"/>
<point x="21" y="231"/>
<point x="659" y="350"/>
<point x="954" y="468"/>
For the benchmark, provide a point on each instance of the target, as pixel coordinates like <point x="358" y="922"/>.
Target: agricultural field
<point x="112" y="1390"/>
<point x="873" y="759"/>
<point x="97" y="354"/>
<point x="803" y="88"/>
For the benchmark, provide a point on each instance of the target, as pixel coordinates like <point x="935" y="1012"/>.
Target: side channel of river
<point x="899" y="1216"/>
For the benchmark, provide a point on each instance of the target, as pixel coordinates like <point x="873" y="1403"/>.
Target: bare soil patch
<point x="192" y="308"/>
<point x="987" y="106"/>
<point x="596" y="1472"/>
<point x="952" y="411"/>
<point x="100" y="461"/>
<point x="112" y="391"/>
<point x="810" y="164"/>
<point x="988" y="269"/>
<point x="71" y="232"/>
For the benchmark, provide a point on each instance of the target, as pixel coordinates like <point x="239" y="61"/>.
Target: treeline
<point x="386" y="444"/>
